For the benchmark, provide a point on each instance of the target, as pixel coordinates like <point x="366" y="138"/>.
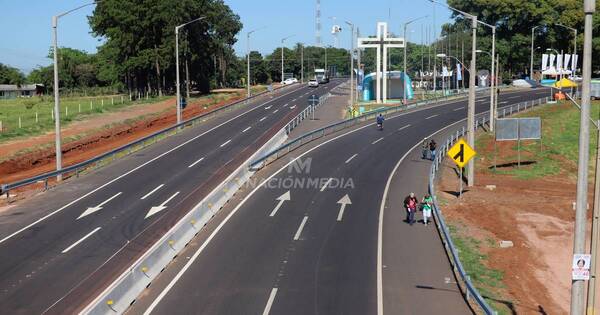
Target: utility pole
<point x="578" y="286"/>
<point x="531" y="57"/>
<point x="282" y="41"/>
<point x="57" y="136"/>
<point x="302" y="63"/>
<point x="591" y="298"/>
<point x="351" y="62"/>
<point x="177" y="83"/>
<point x="405" y="48"/>
<point x="471" y="106"/>
<point x="248" y="93"/>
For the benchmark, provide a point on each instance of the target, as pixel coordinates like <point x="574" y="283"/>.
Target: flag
<point x="567" y="59"/>
<point x="559" y="62"/>
<point x="458" y="72"/>
<point x="544" y="62"/>
<point x="574" y="63"/>
<point x="552" y="57"/>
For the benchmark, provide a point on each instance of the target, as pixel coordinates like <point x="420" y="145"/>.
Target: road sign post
<point x="461" y="153"/>
<point x="313" y="101"/>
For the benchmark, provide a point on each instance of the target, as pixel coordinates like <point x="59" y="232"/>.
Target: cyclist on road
<point x="380" y="120"/>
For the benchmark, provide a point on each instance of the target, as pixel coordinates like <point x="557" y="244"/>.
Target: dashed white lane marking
<point x="197" y="161"/>
<point x="81" y="240"/>
<point x="297" y="235"/>
<point x="268" y="107"/>
<point x="402" y="128"/>
<point x="246" y="129"/>
<point x="226" y="142"/>
<point x="270" y="301"/>
<point x="263" y="118"/>
<point x="505" y="102"/>
<point x="275" y="111"/>
<point x="350" y="159"/>
<point x="432" y="116"/>
<point x="377" y="140"/>
<point x="457" y="109"/>
<point x="292" y="107"/>
<point x="160" y="186"/>
<point x="326" y="184"/>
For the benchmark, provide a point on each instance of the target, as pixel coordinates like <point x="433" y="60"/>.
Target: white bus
<point x="321" y="76"/>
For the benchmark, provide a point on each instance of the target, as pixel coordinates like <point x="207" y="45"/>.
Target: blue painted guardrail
<point x="471" y="293"/>
<point x="127" y="148"/>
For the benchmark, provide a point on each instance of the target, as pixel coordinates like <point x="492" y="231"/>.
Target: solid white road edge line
<point x="197" y="161"/>
<point x="137" y="168"/>
<point x="350" y="159"/>
<point x="270" y="302"/>
<point x="239" y="205"/>
<point x="81" y="240"/>
<point x="380" y="227"/>
<point x="160" y="186"/>
<point x="300" y="228"/>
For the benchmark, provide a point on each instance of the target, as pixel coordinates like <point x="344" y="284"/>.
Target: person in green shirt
<point x="427" y="206"/>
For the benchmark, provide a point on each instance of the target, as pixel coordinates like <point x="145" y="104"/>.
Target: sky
<point x="26" y="33"/>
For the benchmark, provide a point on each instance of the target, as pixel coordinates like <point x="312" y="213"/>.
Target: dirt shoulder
<point x="530" y="205"/>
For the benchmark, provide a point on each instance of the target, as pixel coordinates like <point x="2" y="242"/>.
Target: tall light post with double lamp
<point x="178" y="87"/>
<point x="531" y="57"/>
<point x="472" y="78"/>
<point x="282" y="41"/>
<point x="57" y="135"/>
<point x="574" y="39"/>
<point x="351" y="62"/>
<point x="405" y="48"/>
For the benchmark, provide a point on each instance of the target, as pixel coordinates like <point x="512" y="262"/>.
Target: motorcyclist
<point x="380" y="120"/>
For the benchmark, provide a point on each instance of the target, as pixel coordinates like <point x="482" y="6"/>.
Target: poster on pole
<point x="581" y="267"/>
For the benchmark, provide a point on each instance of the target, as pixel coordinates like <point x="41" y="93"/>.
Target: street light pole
<point x="302" y="63"/>
<point x="578" y="286"/>
<point x="282" y="41"/>
<point x="351" y="62"/>
<point x="531" y="61"/>
<point x="57" y="132"/>
<point x="405" y="48"/>
<point x="248" y="58"/>
<point x="178" y="87"/>
<point x="494" y="81"/>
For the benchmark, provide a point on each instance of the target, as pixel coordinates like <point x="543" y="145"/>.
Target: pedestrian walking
<point x="427" y="206"/>
<point x="410" y="204"/>
<point x="425" y="147"/>
<point x="432" y="148"/>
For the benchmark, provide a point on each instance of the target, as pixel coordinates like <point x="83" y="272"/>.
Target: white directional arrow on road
<point x="343" y="202"/>
<point x="282" y="199"/>
<point x="161" y="207"/>
<point x="292" y="107"/>
<point x="91" y="210"/>
<point x="268" y="107"/>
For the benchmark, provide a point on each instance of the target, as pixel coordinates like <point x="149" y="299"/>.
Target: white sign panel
<point x="581" y="267"/>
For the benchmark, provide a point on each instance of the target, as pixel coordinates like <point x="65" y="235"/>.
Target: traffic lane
<point x="35" y="208"/>
<point x="187" y="288"/>
<point x="127" y="234"/>
<point x="97" y="281"/>
<point x="408" y="288"/>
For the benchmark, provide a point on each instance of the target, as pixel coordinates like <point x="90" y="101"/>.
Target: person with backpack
<point x="410" y="204"/>
<point x="427" y="206"/>
<point x="432" y="148"/>
<point x="425" y="148"/>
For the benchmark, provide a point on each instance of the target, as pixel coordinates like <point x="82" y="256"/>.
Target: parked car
<point x="290" y="81"/>
<point x="313" y="83"/>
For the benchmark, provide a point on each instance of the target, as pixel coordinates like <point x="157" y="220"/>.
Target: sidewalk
<point x="332" y="111"/>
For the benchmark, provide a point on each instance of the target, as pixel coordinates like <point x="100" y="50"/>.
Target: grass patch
<point x="557" y="152"/>
<point x="488" y="281"/>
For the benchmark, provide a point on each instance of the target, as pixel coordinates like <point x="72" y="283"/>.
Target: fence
<point x="127" y="149"/>
<point x="270" y="157"/>
<point x="125" y="289"/>
<point x="471" y="293"/>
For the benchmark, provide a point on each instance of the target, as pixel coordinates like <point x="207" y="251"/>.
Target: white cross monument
<point x="382" y="42"/>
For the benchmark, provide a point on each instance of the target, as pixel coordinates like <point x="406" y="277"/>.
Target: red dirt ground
<point x="536" y="215"/>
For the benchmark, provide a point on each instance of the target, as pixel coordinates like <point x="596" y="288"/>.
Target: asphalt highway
<point x="60" y="249"/>
<point x="323" y="234"/>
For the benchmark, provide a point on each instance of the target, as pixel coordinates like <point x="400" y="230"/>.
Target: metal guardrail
<point x="321" y="132"/>
<point x="119" y="295"/>
<point x="127" y="148"/>
<point x="464" y="280"/>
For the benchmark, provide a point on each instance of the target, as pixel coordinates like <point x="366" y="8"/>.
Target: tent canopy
<point x="565" y="83"/>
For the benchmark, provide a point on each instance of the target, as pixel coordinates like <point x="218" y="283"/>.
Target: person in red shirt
<point x="410" y="204"/>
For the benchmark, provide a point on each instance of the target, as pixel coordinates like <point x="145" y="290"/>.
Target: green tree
<point x="10" y="75"/>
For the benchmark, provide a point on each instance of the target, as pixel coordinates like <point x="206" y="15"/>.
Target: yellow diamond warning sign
<point x="461" y="153"/>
